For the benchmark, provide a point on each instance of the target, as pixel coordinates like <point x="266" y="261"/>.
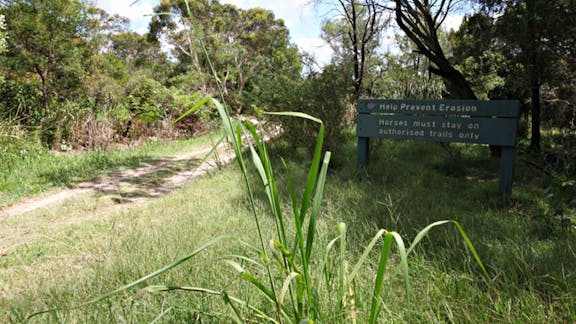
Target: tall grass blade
<point x="194" y="108"/>
<point x="315" y="165"/>
<point x="159" y="288"/>
<point x="268" y="182"/>
<point x="285" y="287"/>
<point x="342" y="259"/>
<point x="365" y="254"/>
<point x="423" y="233"/>
<point x="235" y="311"/>
<point x="289" y="257"/>
<point x="230" y="132"/>
<point x="471" y="248"/>
<point x="469" y="244"/>
<point x="159" y="317"/>
<point x="306" y="200"/>
<point x="403" y="261"/>
<point x="141" y="280"/>
<point x="292" y="191"/>
<point x="253" y="280"/>
<point x="226" y="120"/>
<point x="324" y="262"/>
<point x="376" y="295"/>
<point x="316" y="205"/>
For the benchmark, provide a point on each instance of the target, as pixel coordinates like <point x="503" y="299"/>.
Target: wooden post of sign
<point x="363" y="151"/>
<point x="506" y="170"/>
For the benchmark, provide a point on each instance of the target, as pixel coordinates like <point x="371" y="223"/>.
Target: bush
<point x="92" y="132"/>
<point x="15" y="143"/>
<point x="326" y="95"/>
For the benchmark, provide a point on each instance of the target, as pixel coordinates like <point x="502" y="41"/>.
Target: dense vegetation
<point x="74" y="78"/>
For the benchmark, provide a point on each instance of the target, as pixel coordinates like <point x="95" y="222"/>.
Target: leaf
<point x="423" y="233"/>
<point x="253" y="280"/>
<point x="316" y="205"/>
<point x="285" y="287"/>
<point x="471" y="248"/>
<point x="379" y="282"/>
<point x="469" y="244"/>
<point x="315" y="165"/>
<point x="197" y="106"/>
<point x="364" y="255"/>
<point x="342" y="259"/>
<point x="403" y="261"/>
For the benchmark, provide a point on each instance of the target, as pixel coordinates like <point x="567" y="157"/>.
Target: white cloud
<point x="317" y="47"/>
<point x="139" y="13"/>
<point x="452" y="22"/>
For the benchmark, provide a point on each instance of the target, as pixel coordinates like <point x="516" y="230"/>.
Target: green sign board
<point x="461" y="121"/>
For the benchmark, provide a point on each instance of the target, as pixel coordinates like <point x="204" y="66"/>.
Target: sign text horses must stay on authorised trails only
<point x="461" y="121"/>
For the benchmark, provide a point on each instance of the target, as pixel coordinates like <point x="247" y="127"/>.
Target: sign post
<point x="460" y="121"/>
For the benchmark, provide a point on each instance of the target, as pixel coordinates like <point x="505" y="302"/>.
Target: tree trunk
<point x="421" y="27"/>
<point x="534" y="76"/>
<point x="44" y="77"/>
<point x="535" y="98"/>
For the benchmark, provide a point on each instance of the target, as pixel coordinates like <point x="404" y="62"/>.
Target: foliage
<point x="354" y="36"/>
<point x="421" y="22"/>
<point x="539" y="53"/>
<point x="406" y="75"/>
<point x="294" y="276"/>
<point x="246" y="46"/>
<point x="3" y="44"/>
<point x="47" y="39"/>
<point x="15" y="143"/>
<point x="326" y="94"/>
<point x="475" y="52"/>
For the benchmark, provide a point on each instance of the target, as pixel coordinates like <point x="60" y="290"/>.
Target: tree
<point x="47" y="38"/>
<point x="3" y="45"/>
<point x="355" y="35"/>
<point x="421" y="20"/>
<point x="138" y="53"/>
<point x="476" y="53"/>
<point x="243" y="46"/>
<point x="538" y="36"/>
<point x="406" y="75"/>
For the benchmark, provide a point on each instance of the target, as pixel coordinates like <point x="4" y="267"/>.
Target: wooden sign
<point x="461" y="121"/>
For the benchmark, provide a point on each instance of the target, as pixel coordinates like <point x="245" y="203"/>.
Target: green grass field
<point x="73" y="253"/>
<point x="38" y="170"/>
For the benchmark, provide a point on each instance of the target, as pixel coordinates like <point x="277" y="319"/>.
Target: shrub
<point x="15" y="143"/>
<point x="324" y="95"/>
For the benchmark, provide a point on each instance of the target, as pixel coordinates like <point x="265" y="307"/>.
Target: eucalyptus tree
<point x="242" y="46"/>
<point x="354" y="35"/>
<point x="48" y="39"/>
<point x="539" y="39"/>
<point x="421" y="21"/>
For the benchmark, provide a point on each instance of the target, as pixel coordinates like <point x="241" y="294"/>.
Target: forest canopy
<point x="74" y="76"/>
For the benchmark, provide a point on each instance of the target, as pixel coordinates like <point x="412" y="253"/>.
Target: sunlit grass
<point x="42" y="170"/>
<point x="85" y="253"/>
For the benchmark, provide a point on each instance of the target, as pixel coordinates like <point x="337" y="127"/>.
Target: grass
<point x="38" y="170"/>
<point x="68" y="255"/>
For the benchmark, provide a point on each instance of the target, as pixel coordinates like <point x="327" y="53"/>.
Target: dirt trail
<point x="133" y="186"/>
<point x="129" y="186"/>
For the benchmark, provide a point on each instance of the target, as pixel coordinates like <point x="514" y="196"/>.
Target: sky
<point x="302" y="18"/>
